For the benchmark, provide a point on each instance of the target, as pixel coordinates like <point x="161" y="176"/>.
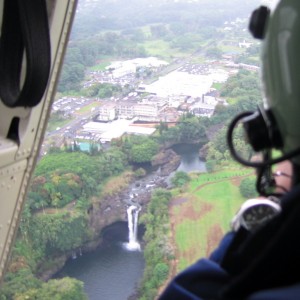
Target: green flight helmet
<point x="281" y="75"/>
<point x="276" y="124"/>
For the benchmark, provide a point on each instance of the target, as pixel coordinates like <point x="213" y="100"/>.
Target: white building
<point x="125" y="109"/>
<point x="203" y="109"/>
<point x="210" y="100"/>
<point x="107" y="112"/>
<point x="140" y="130"/>
<point x="123" y="71"/>
<point x="108" y="131"/>
<point x="245" y="44"/>
<point x="123" y="68"/>
<point x="180" y="83"/>
<point x="218" y="75"/>
<point x="175" y="101"/>
<point x="146" y="112"/>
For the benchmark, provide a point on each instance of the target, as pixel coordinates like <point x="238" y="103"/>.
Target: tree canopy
<point x="180" y="178"/>
<point x="62" y="177"/>
<point x="247" y="188"/>
<point x="190" y="129"/>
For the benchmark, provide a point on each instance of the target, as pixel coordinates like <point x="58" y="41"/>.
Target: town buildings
<point x="189" y="89"/>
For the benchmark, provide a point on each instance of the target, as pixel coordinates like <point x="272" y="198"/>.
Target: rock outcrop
<point x="167" y="160"/>
<point x="203" y="152"/>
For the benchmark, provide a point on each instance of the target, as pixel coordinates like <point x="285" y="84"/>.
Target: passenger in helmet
<point x="260" y="258"/>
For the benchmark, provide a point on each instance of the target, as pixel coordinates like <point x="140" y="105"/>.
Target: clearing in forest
<point x="201" y="215"/>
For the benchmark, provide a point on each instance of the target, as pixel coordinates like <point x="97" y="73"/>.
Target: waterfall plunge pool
<point x="190" y="161"/>
<point x="111" y="272"/>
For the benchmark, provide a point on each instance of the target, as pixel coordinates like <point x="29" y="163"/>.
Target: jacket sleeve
<point x="202" y="280"/>
<point x="283" y="293"/>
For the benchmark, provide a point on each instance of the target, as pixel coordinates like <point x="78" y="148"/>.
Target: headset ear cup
<point x="261" y="130"/>
<point x="258" y="22"/>
<point x="256" y="131"/>
<point x="274" y="133"/>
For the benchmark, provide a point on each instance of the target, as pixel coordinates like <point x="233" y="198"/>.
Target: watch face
<point x="257" y="215"/>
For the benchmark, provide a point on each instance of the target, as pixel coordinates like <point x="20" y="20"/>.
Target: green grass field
<point x="101" y="66"/>
<point x="198" y="59"/>
<point x="232" y="101"/>
<point x="217" y="85"/>
<point x="88" y="108"/>
<point x="162" y="49"/>
<point x="217" y="176"/>
<point x="53" y="125"/>
<point x="231" y="49"/>
<point x="103" y="62"/>
<point x="201" y="215"/>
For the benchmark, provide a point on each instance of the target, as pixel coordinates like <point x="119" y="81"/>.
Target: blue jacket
<point x="264" y="265"/>
<point x="203" y="279"/>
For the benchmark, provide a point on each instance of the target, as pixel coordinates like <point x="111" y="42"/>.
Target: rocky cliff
<point x="167" y="160"/>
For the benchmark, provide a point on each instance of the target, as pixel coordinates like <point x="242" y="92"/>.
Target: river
<point x="112" y="272"/>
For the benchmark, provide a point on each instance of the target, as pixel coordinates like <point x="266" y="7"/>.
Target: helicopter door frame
<point x="18" y="157"/>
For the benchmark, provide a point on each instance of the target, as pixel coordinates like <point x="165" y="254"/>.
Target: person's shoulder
<point x="284" y="293"/>
<point x="202" y="280"/>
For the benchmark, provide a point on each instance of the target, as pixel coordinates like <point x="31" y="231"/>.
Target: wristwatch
<point x="254" y="213"/>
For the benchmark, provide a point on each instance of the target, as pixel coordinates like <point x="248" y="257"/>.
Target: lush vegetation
<point x="189" y="129"/>
<point x="57" y="120"/>
<point x="55" y="219"/>
<point x="62" y="177"/>
<point x="63" y="289"/>
<point x="247" y="187"/>
<point x="138" y="149"/>
<point x="243" y="92"/>
<point x="180" y="179"/>
<point x="158" y="251"/>
<point x="103" y="90"/>
<point x="23" y="285"/>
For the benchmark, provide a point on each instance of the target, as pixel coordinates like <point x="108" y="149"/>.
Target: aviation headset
<point x="275" y="124"/>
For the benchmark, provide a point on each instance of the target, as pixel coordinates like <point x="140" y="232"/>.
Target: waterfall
<point x="133" y="215"/>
